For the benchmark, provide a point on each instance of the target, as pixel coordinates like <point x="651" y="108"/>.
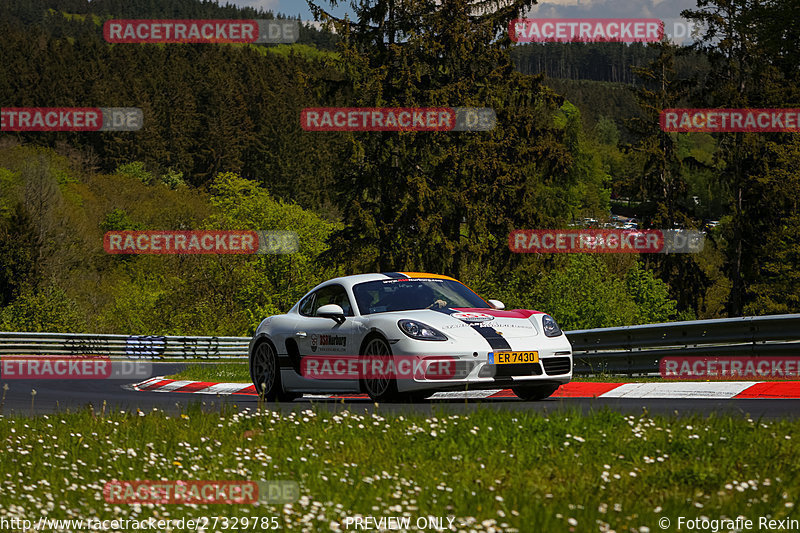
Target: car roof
<point x="349" y="281"/>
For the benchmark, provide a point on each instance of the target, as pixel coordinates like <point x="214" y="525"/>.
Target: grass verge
<point x="489" y="470"/>
<point x="217" y="372"/>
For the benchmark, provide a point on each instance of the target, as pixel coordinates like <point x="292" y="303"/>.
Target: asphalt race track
<point x="61" y="395"/>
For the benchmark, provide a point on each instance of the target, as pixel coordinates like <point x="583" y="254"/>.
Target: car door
<point x="319" y="337"/>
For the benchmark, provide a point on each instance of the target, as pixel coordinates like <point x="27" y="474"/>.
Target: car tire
<point x="384" y="388"/>
<point x="265" y="374"/>
<point x="533" y="393"/>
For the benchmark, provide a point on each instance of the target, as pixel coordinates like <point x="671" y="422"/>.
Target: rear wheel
<point x="380" y="383"/>
<point x="265" y="374"/>
<point x="531" y="393"/>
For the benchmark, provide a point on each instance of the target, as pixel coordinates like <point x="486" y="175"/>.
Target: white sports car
<point x="403" y="336"/>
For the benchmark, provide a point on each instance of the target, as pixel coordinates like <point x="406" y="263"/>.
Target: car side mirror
<point x="497" y="304"/>
<point x="332" y="311"/>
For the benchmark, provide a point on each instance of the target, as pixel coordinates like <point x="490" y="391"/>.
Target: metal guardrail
<point x="127" y="346"/>
<point x="621" y="350"/>
<point x="638" y="349"/>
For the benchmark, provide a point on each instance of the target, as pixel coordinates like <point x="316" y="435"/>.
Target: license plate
<point x="513" y="358"/>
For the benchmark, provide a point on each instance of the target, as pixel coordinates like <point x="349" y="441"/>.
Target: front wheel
<point x="380" y="382"/>
<point x="531" y="393"/>
<point x="266" y="375"/>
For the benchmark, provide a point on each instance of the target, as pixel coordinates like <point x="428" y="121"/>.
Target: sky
<point x="662" y="9"/>
<point x="290" y="7"/>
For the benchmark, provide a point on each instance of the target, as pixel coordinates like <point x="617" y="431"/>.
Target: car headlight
<point x="551" y="329"/>
<point x="420" y="331"/>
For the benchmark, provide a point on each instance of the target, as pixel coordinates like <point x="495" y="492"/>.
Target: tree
<point x="750" y="68"/>
<point x="437" y="201"/>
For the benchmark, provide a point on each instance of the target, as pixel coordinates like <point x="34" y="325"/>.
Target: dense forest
<point x="222" y="147"/>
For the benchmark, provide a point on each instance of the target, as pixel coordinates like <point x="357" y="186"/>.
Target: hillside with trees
<point x="222" y="147"/>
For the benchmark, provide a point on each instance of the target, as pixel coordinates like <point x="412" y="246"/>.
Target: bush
<point x="46" y="310"/>
<point x="581" y="292"/>
<point x="136" y="170"/>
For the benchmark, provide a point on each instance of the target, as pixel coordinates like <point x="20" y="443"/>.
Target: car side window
<point x="332" y="294"/>
<point x="306" y="306"/>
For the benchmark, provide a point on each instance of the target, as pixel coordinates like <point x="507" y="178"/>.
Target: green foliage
<point x="219" y="295"/>
<point x="274" y="281"/>
<point x="49" y="309"/>
<point x="18" y="254"/>
<point x="133" y="302"/>
<point x="587" y="179"/>
<point x="585" y="295"/>
<point x="775" y="287"/>
<point x="9" y="182"/>
<point x="173" y="179"/>
<point x="309" y="52"/>
<point x="651" y="296"/>
<point x="606" y="131"/>
<point x="752" y="67"/>
<point x="595" y="62"/>
<point x="208" y="109"/>
<point x="583" y="291"/>
<point x="136" y="170"/>
<point x="118" y="220"/>
<point x="440" y="201"/>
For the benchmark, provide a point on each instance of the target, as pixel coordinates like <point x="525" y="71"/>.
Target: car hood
<point x="460" y="323"/>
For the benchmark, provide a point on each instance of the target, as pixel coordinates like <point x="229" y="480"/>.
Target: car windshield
<point x="383" y="296"/>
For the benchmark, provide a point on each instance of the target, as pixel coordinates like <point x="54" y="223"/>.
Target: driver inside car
<point x="424" y="296"/>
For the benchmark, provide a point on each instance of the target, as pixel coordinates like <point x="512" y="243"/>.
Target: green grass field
<point x="492" y="471"/>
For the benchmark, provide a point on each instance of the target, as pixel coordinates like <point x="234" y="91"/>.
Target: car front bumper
<point x="474" y="370"/>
